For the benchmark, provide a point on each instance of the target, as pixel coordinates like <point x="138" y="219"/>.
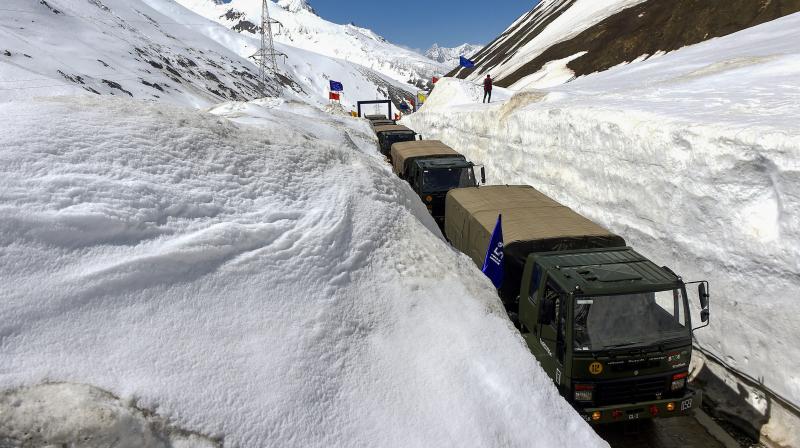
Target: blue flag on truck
<point x="493" y="265"/>
<point x="336" y="86"/>
<point x="466" y="63"/>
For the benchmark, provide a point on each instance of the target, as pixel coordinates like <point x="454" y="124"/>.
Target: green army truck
<point x="432" y="169"/>
<point x="391" y="134"/>
<point x="610" y="327"/>
<point x="375" y="123"/>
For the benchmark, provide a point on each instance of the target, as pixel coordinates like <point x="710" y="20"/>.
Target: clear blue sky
<point x="419" y="23"/>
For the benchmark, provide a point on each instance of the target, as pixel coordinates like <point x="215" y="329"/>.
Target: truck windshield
<point x="445" y="179"/>
<point x="605" y="322"/>
<point x="393" y="138"/>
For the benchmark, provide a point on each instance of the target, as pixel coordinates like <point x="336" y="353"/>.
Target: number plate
<point x="686" y="404"/>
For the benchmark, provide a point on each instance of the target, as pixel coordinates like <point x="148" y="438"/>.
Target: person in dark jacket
<point x="487" y="88"/>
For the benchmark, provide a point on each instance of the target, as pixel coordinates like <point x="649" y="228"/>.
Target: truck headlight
<point x="584" y="392"/>
<point x="679" y="381"/>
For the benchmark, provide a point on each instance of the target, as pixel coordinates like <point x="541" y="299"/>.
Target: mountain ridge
<point x="560" y="39"/>
<point x="301" y="27"/>
<point x="449" y="56"/>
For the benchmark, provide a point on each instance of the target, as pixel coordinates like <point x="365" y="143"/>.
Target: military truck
<point x="432" y="169"/>
<point x="374" y="123"/>
<point x="611" y="328"/>
<point x="391" y="134"/>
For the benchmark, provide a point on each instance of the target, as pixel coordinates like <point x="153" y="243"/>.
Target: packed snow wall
<point x="256" y="275"/>
<point x="693" y="157"/>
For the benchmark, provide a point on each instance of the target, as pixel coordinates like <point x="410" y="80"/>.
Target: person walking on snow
<point x="487" y="88"/>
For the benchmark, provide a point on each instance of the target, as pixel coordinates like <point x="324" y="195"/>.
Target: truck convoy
<point x="432" y="169"/>
<point x="610" y="327"/>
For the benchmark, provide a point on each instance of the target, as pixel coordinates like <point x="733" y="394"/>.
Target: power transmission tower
<point x="266" y="56"/>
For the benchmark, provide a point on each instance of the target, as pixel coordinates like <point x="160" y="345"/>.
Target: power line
<point x="266" y="55"/>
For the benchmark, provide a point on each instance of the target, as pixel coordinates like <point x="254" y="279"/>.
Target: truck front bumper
<point x="673" y="407"/>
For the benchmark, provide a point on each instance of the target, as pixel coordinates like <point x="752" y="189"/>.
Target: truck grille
<point x="632" y="391"/>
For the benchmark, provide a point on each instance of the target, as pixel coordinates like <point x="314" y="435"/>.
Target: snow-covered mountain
<point x="449" y="56"/>
<point x="157" y="49"/>
<point x="560" y="39"/>
<point x="115" y="47"/>
<point x="301" y="27"/>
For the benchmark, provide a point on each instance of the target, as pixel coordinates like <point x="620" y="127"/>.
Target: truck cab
<point x="433" y="178"/>
<point x="391" y="134"/>
<point x="613" y="330"/>
<point x="433" y="169"/>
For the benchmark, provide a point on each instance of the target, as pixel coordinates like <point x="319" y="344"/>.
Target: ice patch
<point x="62" y="414"/>
<point x="553" y="73"/>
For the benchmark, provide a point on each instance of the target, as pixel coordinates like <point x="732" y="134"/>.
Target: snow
<point x="302" y="28"/>
<point x="572" y="19"/>
<point x="694" y="157"/>
<point x="114" y="47"/>
<point x="253" y="274"/>
<point x="449" y="57"/>
<point x="462" y="94"/>
<point x="61" y="414"/>
<point x="143" y="45"/>
<point x="310" y="69"/>
<point x="554" y="73"/>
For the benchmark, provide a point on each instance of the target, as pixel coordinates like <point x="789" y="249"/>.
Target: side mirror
<point x="703" y="297"/>
<point x="702" y="292"/>
<point x="483" y="175"/>
<point x="420" y="136"/>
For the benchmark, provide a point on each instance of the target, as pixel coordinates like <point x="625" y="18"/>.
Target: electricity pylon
<point x="266" y="56"/>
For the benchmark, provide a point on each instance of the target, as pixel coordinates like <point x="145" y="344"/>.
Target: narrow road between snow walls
<point x="696" y="164"/>
<point x="632" y="428"/>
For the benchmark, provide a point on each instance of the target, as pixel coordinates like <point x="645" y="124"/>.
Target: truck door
<point x="552" y="331"/>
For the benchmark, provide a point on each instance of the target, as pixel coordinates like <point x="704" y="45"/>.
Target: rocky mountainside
<point x="115" y="47"/>
<point x="560" y="39"/>
<point x="449" y="56"/>
<point x="302" y="28"/>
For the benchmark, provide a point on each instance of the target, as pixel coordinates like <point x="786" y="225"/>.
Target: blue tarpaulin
<point x="466" y="63"/>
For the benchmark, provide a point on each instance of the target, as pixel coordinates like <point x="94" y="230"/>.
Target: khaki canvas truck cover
<point x="403" y="151"/>
<point x="375" y="123"/>
<point x="391" y="128"/>
<point x="532" y="222"/>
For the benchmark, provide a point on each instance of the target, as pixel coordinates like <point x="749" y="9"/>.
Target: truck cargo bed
<point x="532" y="222"/>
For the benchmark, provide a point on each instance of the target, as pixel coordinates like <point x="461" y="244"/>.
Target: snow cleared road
<point x="268" y="282"/>
<point x="693" y="156"/>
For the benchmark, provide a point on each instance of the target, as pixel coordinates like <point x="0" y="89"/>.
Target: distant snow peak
<point x="296" y="5"/>
<point x="449" y="56"/>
